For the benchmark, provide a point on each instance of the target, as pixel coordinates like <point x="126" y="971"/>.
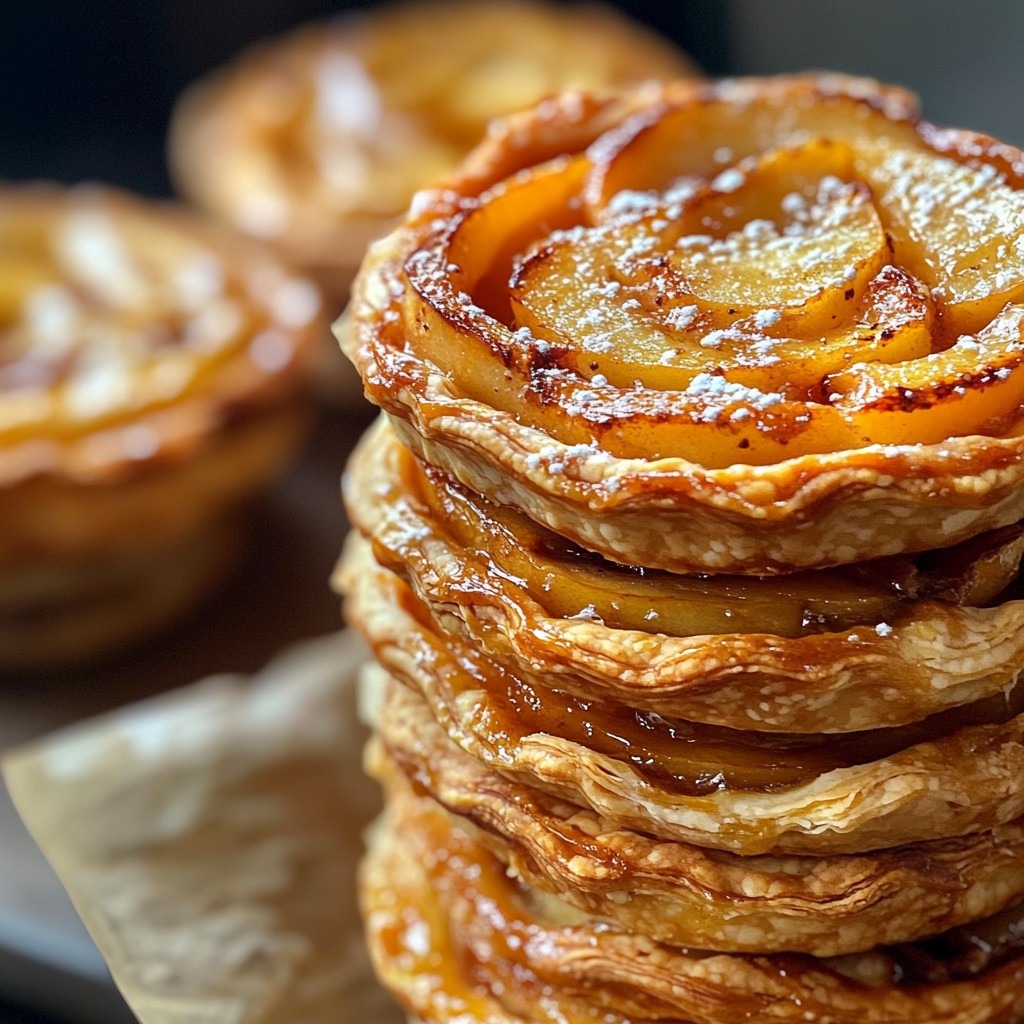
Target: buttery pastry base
<point x="942" y="655"/>
<point x="722" y="330"/>
<point x="456" y="940"/>
<point x="153" y="382"/>
<point x="957" y="784"/>
<point x="809" y="513"/>
<point x="815" y="510"/>
<point x="688" y="896"/>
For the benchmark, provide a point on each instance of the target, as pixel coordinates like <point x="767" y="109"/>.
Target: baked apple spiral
<point x="774" y="325"/>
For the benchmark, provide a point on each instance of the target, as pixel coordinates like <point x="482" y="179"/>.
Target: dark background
<point x="86" y="86"/>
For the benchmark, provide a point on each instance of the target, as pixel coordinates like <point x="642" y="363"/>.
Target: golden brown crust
<point x="319" y="140"/>
<point x="434" y="900"/>
<point x="686" y="896"/>
<point x="479" y="395"/>
<point x="956" y="784"/>
<point x="942" y="655"/>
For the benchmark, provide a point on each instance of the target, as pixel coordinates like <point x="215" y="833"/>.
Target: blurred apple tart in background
<point x="318" y="141"/>
<point x="152" y="379"/>
<point x="689" y="552"/>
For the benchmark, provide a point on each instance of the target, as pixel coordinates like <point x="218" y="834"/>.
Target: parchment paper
<point x="209" y="840"/>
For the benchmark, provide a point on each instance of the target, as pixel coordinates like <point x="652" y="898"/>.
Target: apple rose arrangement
<point x="688" y="551"/>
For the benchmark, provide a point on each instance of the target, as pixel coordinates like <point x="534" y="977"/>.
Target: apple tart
<point x="318" y="141"/>
<point x="151" y="380"/>
<point x="457" y="939"/>
<point x="687" y="895"/>
<point x="729" y="789"/>
<point x="746" y="327"/>
<point x="689" y="550"/>
<point x="817" y="651"/>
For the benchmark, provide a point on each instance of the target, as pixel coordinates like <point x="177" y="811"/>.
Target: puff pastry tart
<point x="689" y="551"/>
<point x="319" y="140"/>
<point x="747" y="327"/>
<point x="688" y="895"/>
<point x="885" y="643"/>
<point x="151" y="377"/>
<point x="457" y="939"/>
<point x="720" y="788"/>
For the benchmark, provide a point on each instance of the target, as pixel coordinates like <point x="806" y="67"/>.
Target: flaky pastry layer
<point x="956" y="784"/>
<point x="456" y="940"/>
<point x="942" y="655"/>
<point x="687" y="896"/>
<point x="599" y="376"/>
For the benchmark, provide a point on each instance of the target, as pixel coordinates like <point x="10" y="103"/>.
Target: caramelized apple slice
<point x="790" y="247"/>
<point x="976" y="386"/>
<point x="893" y="324"/>
<point x="653" y="150"/>
<point x="713" y="421"/>
<point x="824" y="258"/>
<point x="456" y="277"/>
<point x="778" y="186"/>
<point x="958" y="227"/>
<point x="567" y="293"/>
<point x="569" y="582"/>
<point x="505" y="222"/>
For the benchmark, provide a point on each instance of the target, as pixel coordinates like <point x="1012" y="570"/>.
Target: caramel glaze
<point x="978" y="572"/>
<point x="671" y="754"/>
<point x="459" y="939"/>
<point x="681" y="894"/>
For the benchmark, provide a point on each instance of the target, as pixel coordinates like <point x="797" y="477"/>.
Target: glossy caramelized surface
<point x="457" y="939"/>
<point x="814" y="652"/>
<point x="572" y="582"/>
<point x="744" y="327"/>
<point x="727" y="789"/>
<point x="132" y="322"/>
<point x="686" y="895"/>
<point x="321" y="138"/>
<point x="675" y="756"/>
<point x="741" y="273"/>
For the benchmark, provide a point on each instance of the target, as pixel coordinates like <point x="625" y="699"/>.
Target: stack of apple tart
<point x="688" y="551"/>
